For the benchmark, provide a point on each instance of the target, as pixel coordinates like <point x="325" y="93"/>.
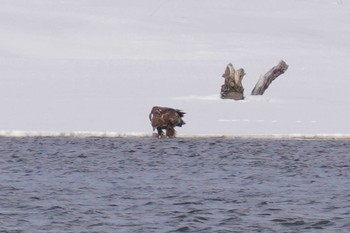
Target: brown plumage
<point x="166" y="118"/>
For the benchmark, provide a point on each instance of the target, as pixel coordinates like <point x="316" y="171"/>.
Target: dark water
<point x="62" y="184"/>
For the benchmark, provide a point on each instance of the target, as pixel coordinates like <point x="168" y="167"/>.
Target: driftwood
<point x="232" y="88"/>
<point x="267" y="79"/>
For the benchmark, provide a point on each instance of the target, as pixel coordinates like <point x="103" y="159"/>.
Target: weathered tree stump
<point x="232" y="88"/>
<point x="264" y="81"/>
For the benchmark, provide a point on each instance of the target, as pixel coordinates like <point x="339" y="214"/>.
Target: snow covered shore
<point x="100" y="66"/>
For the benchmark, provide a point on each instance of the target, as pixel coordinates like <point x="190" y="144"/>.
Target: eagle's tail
<point x="180" y="112"/>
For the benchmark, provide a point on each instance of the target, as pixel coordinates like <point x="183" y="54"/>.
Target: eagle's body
<point x="166" y="118"/>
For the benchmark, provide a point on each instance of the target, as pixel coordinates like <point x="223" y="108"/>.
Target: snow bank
<point x="100" y="66"/>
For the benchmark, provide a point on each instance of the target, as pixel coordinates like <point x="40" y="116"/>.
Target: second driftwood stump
<point x="265" y="80"/>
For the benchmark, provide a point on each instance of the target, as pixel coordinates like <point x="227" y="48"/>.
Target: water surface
<point x="70" y="184"/>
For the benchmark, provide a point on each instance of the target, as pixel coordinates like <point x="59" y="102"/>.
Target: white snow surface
<point x="101" y="65"/>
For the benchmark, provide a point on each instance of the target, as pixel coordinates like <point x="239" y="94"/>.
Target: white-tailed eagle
<point x="166" y="118"/>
